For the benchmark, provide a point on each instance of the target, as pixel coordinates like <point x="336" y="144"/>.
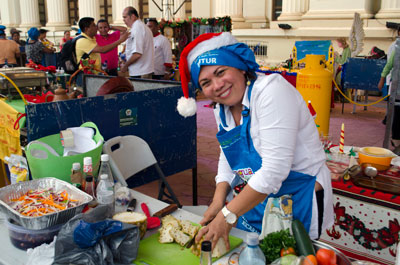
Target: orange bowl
<point x="379" y="157"/>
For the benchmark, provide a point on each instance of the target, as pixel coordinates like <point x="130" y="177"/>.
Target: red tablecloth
<point x="348" y="186"/>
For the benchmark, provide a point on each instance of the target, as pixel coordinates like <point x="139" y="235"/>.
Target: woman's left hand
<point x="214" y="230"/>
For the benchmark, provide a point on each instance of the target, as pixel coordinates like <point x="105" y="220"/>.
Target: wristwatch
<point x="230" y="217"/>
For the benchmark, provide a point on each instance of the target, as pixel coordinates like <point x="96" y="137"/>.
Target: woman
<point x="34" y="48"/>
<point x="267" y="136"/>
<point x="346" y="53"/>
<point x="67" y="37"/>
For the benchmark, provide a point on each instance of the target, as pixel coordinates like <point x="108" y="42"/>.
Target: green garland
<point x="226" y="22"/>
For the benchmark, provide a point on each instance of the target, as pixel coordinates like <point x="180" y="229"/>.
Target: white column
<point x="343" y="10"/>
<point x="10" y="13"/>
<point x="89" y="8"/>
<point x="293" y="9"/>
<point x="182" y="11"/>
<point x="389" y="9"/>
<point x="255" y="13"/>
<point x="154" y="11"/>
<point x="57" y="15"/>
<point x="202" y="8"/>
<point x="232" y="8"/>
<point x="29" y="13"/>
<point x="119" y="8"/>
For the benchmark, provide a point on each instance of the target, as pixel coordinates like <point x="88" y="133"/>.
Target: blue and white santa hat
<point x="210" y="49"/>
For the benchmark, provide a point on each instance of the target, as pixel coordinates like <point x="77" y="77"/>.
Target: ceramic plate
<point x="396" y="161"/>
<point x="346" y="149"/>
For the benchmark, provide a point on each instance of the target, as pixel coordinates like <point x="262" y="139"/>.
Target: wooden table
<point x="366" y="221"/>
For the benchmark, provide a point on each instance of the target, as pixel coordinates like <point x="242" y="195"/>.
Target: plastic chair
<point x="131" y="154"/>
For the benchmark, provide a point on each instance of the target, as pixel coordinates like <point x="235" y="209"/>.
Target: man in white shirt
<point x="162" y="52"/>
<point x="139" y="46"/>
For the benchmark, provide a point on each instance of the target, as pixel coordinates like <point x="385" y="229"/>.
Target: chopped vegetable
<point x="286" y="251"/>
<point x="39" y="202"/>
<point x="272" y="244"/>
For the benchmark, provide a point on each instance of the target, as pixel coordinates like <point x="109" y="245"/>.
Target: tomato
<point x="310" y="260"/>
<point x="326" y="257"/>
<point x="287" y="251"/>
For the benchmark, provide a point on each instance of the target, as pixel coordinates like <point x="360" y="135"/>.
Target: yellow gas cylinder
<point x="314" y="83"/>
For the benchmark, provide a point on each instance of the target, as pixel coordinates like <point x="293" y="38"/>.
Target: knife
<point x="131" y="205"/>
<point x="190" y="243"/>
<point x="167" y="210"/>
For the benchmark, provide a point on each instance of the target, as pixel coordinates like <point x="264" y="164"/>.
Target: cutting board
<point x="152" y="252"/>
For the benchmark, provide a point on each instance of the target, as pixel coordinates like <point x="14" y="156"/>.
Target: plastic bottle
<point x="6" y="63"/>
<point x="105" y="194"/>
<point x="106" y="169"/>
<point x="205" y="255"/>
<point x="252" y="254"/>
<point x="76" y="175"/>
<point x="104" y="66"/>
<point x="89" y="185"/>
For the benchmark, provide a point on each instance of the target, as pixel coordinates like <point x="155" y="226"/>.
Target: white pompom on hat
<point x="206" y="42"/>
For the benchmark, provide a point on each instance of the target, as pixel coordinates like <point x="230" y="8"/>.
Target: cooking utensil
<point x="380" y="157"/>
<point x="152" y="222"/>
<point x="167" y="210"/>
<point x="370" y="171"/>
<point x="153" y="252"/>
<point x="190" y="243"/>
<point x="131" y="205"/>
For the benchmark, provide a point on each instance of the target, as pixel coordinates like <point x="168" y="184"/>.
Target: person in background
<point x="48" y="58"/>
<point x="396" y="114"/>
<point x="339" y="60"/>
<point x="34" y="48"/>
<point x="270" y="147"/>
<point x="15" y="36"/>
<point x="67" y="37"/>
<point x="9" y="49"/>
<point x="162" y="52"/>
<point x="87" y="45"/>
<point x="139" y="46"/>
<point x="104" y="38"/>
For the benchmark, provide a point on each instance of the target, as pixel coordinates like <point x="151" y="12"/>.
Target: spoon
<point x="152" y="222"/>
<point x="370" y="171"/>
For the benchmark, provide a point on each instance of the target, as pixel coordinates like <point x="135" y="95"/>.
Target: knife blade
<point x="191" y="242"/>
<point x="131" y="205"/>
<point x="166" y="210"/>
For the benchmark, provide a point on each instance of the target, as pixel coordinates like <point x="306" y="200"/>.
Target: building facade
<point x="254" y="21"/>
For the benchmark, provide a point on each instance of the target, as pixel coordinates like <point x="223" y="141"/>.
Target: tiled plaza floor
<point x="364" y="128"/>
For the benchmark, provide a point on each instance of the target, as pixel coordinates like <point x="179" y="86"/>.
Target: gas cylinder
<point x="314" y="83"/>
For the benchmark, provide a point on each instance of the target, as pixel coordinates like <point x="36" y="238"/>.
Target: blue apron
<point x="244" y="160"/>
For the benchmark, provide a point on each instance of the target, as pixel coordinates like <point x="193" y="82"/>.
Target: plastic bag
<point x="103" y="241"/>
<point x="18" y="167"/>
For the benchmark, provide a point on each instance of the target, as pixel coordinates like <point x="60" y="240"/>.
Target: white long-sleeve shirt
<point x="285" y="136"/>
<point x="162" y="54"/>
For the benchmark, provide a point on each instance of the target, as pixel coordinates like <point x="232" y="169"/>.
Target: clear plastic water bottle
<point x="104" y="66"/>
<point x="106" y="169"/>
<point x="105" y="194"/>
<point x="252" y="254"/>
<point x="6" y="64"/>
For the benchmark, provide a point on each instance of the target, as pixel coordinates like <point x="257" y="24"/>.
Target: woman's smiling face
<point x="223" y="84"/>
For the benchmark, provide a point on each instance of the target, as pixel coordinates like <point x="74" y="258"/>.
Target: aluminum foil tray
<point x="14" y="191"/>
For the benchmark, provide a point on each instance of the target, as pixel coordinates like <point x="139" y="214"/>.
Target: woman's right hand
<point x="212" y="211"/>
<point x="381" y="83"/>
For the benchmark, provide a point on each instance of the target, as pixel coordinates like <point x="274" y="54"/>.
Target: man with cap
<point x="270" y="148"/>
<point x="162" y="52"/>
<point x="139" y="47"/>
<point x="9" y="49"/>
<point x="34" y="48"/>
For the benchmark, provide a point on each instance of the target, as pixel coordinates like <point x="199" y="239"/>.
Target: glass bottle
<point x="252" y="254"/>
<point x="206" y="255"/>
<point x="89" y="185"/>
<point x="76" y="175"/>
